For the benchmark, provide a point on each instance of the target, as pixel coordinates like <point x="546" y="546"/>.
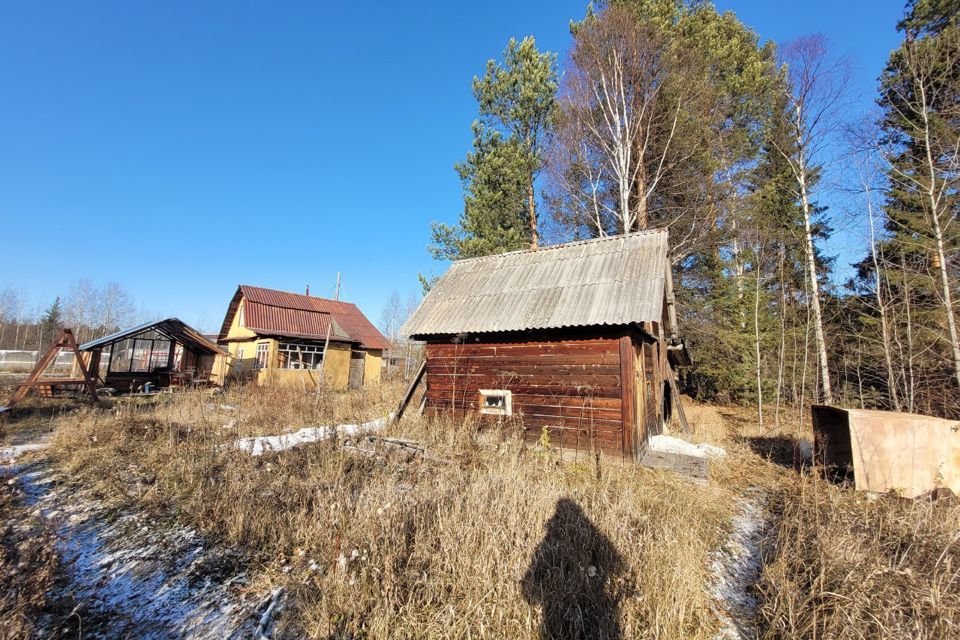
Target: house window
<point x="300" y="356"/>
<point x="263" y="354"/>
<point x="496" y="402"/>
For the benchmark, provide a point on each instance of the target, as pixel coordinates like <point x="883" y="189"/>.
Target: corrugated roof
<point x="173" y="328"/>
<point x="608" y="281"/>
<point x="291" y="314"/>
<point x="299" y="323"/>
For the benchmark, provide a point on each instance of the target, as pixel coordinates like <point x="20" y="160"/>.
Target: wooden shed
<point x="579" y="339"/>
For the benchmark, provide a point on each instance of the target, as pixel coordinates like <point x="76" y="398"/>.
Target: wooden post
<point x="675" y="392"/>
<point x="94" y="365"/>
<point x="326" y="342"/>
<point x="627" y="394"/>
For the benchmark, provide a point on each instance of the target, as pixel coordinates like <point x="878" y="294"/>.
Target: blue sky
<point x="182" y="148"/>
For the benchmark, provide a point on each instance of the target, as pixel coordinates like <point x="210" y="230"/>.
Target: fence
<point x="19" y="361"/>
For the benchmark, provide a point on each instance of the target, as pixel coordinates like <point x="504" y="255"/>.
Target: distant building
<point x="278" y="337"/>
<point x="578" y="339"/>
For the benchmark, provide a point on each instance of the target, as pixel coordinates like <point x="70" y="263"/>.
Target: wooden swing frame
<point x="36" y="381"/>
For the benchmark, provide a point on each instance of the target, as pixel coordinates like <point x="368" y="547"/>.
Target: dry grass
<point x="499" y="541"/>
<point x="502" y="540"/>
<point x="840" y="564"/>
<point x="847" y="565"/>
<point x="28" y="569"/>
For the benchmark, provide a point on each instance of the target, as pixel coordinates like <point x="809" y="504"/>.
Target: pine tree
<point x="50" y="322"/>
<point x="495" y="215"/>
<point x="52" y="318"/>
<point x="516" y="102"/>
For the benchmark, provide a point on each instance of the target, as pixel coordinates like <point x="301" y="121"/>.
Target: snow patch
<point x="259" y="445"/>
<point x="134" y="577"/>
<point x="668" y="444"/>
<point x="736" y="568"/>
<point x="14" y="452"/>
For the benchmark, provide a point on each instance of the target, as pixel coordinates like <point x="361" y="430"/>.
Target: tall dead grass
<point x="848" y="565"/>
<point x="28" y="569"/>
<point x="498" y="540"/>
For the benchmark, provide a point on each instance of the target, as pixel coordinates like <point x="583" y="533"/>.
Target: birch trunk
<point x="935" y="200"/>
<point x="881" y="305"/>
<point x="814" y="284"/>
<point x="642" y="216"/>
<point x="756" y="345"/>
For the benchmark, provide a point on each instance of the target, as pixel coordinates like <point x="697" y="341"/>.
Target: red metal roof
<point x="267" y="319"/>
<point x="275" y="312"/>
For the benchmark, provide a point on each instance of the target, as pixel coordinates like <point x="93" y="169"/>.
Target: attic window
<point x="496" y="402"/>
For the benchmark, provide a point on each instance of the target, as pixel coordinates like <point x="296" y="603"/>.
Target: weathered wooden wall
<point x="574" y="387"/>
<point x="600" y="388"/>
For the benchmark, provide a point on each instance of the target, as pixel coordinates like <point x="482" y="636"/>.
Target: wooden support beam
<point x="410" y="390"/>
<point x="94" y="365"/>
<point x="675" y="392"/>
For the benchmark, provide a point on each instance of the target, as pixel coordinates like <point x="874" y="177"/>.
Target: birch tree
<point x="920" y="94"/>
<point x="816" y="85"/>
<point x="866" y="173"/>
<point x="80" y="308"/>
<point x="615" y="103"/>
<point x="114" y="309"/>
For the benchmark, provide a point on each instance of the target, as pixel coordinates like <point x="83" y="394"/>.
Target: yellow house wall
<point x="237" y="330"/>
<point x="337" y="366"/>
<point x="223" y="367"/>
<point x="305" y="378"/>
<point x="336" y="372"/>
<point x="219" y="373"/>
<point x="237" y="366"/>
<point x="371" y="366"/>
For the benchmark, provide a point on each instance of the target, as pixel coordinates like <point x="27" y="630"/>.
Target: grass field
<point x="492" y="537"/>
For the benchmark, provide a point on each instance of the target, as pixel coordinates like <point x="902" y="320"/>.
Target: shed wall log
<point x="573" y="388"/>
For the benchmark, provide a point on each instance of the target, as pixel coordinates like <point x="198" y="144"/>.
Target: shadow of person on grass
<point x="573" y="577"/>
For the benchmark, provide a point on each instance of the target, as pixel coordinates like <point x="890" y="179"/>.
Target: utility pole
<point x="326" y="342"/>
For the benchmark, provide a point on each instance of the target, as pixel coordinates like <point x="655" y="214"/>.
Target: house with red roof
<point x="277" y="337"/>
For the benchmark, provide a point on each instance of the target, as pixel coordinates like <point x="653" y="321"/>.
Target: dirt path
<point x="737" y="566"/>
<point x="129" y="576"/>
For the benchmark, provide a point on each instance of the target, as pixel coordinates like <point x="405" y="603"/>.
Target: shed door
<point x="357" y="359"/>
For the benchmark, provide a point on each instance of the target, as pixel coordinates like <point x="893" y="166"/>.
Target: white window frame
<point x="315" y="353"/>
<point x="263" y="349"/>
<point x="505" y="408"/>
